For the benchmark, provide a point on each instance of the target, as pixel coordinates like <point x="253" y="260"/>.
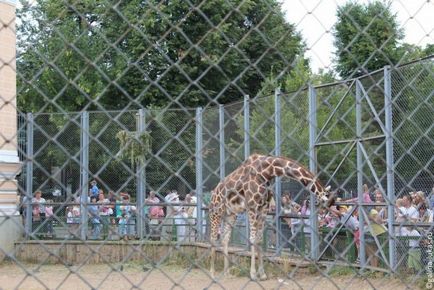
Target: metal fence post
<point x="84" y="173"/>
<point x="247" y="154"/>
<point x="199" y="168"/>
<point x="314" y="237"/>
<point x="278" y="183"/>
<point x="246" y="127"/>
<point x="362" y="251"/>
<point x="141" y="181"/>
<point x="222" y="141"/>
<point x="389" y="164"/>
<point x="29" y="175"/>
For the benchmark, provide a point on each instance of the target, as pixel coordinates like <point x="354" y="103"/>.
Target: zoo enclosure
<point x="375" y="129"/>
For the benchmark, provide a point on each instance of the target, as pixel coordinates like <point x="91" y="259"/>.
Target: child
<point x="123" y="222"/>
<point x="414" y="253"/>
<point x="49" y="217"/>
<point x="95" y="219"/>
<point x="376" y="230"/>
<point x="352" y="223"/>
<point x="70" y="221"/>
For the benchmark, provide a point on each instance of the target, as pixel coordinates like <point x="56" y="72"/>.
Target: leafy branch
<point x="134" y="145"/>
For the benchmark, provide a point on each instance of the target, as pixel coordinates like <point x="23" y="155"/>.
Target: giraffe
<point x="247" y="189"/>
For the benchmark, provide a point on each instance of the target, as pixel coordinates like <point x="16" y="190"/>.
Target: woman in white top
<point x="407" y="212"/>
<point x="38" y="206"/>
<point x="425" y="214"/>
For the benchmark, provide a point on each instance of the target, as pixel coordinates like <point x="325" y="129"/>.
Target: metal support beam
<point x="278" y="182"/>
<point x="141" y="180"/>
<point x="389" y="164"/>
<point x="314" y="237"/>
<point x="29" y="175"/>
<point x="84" y="173"/>
<point x="199" y="178"/>
<point x="246" y="127"/>
<point x="247" y="153"/>
<point x="222" y="141"/>
<point x="362" y="251"/>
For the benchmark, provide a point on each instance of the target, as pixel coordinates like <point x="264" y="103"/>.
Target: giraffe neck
<point x="293" y="169"/>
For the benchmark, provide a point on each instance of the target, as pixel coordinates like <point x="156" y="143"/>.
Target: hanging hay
<point x="133" y="145"/>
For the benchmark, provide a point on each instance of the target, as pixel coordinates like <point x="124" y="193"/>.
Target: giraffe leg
<point x="229" y="224"/>
<point x="212" y="262"/>
<point x="215" y="224"/>
<point x="259" y="238"/>
<point x="253" y="246"/>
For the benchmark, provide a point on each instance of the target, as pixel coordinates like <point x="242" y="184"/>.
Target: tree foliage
<point x="367" y="38"/>
<point x="90" y="55"/>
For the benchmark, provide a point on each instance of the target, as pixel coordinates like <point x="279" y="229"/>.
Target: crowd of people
<point x="114" y="215"/>
<point x="413" y="219"/>
<point x="170" y="216"/>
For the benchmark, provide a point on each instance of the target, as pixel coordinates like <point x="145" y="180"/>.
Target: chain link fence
<point x="130" y="113"/>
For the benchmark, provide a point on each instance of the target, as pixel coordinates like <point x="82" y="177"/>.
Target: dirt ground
<point x="29" y="277"/>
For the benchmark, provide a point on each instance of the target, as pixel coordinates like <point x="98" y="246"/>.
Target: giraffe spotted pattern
<point x="247" y="189"/>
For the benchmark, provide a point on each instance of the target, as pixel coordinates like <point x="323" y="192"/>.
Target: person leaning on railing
<point x="419" y="199"/>
<point x="105" y="211"/>
<point x="94" y="218"/>
<point x="430" y="199"/>
<point x="332" y="217"/>
<point x="407" y="234"/>
<point x="414" y="260"/>
<point x="49" y="216"/>
<point x="155" y="214"/>
<point x="38" y="206"/>
<point x="381" y="209"/>
<point x="190" y="218"/>
<point x="130" y="212"/>
<point x="155" y="211"/>
<point x="425" y="214"/>
<point x="425" y="217"/>
<point x="305" y="210"/>
<point x="351" y="223"/>
<point x="286" y="223"/>
<point x="38" y="210"/>
<point x="407" y="212"/>
<point x="112" y="198"/>
<point x="376" y="231"/>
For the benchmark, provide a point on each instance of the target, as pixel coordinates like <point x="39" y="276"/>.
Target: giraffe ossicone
<point x="246" y="189"/>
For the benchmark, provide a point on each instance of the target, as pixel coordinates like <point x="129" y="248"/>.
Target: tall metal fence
<point x="376" y="130"/>
<point x="130" y="113"/>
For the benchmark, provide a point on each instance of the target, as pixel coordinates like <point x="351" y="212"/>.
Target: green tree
<point x="366" y="38"/>
<point x="411" y="52"/>
<point x="59" y="50"/>
<point x="94" y="55"/>
<point x="111" y="55"/>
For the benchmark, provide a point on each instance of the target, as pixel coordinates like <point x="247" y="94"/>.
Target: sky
<point x="315" y="20"/>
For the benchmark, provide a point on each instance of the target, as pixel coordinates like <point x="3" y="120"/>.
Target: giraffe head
<point x="323" y="196"/>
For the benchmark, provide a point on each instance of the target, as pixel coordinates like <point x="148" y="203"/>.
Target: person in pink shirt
<point x="49" y="216"/>
<point x="366" y="196"/>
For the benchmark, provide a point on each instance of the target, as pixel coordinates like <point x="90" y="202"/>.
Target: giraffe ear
<point x="328" y="188"/>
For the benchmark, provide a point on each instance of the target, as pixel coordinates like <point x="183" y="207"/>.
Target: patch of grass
<point x="421" y="282"/>
<point x="338" y="271"/>
<point x="374" y="274"/>
<point x="7" y="261"/>
<point x="240" y="271"/>
<point x="312" y="269"/>
<point x="277" y="270"/>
